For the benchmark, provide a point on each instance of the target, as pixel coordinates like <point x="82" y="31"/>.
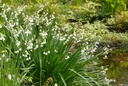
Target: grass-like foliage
<point x="34" y="52"/>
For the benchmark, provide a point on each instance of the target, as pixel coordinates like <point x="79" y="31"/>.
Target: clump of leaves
<point x="121" y="20"/>
<point x="86" y="12"/>
<point x="110" y="7"/>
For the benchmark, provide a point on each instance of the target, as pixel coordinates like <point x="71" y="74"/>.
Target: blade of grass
<point x="62" y="79"/>
<point x="80" y="76"/>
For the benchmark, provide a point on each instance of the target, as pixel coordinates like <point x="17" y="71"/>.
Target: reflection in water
<point x="117" y="64"/>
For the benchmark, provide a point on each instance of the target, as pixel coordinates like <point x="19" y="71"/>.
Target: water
<point x="117" y="64"/>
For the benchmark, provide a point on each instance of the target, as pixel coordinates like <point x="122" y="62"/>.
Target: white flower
<point x="20" y="49"/>
<point x="87" y="47"/>
<point x="2" y="37"/>
<point x="3" y="55"/>
<point x="104" y="71"/>
<point x="0" y="26"/>
<point x="95" y="63"/>
<point x="16" y="35"/>
<point x="17" y="51"/>
<point x="24" y="55"/>
<point x="9" y="76"/>
<point x="28" y="32"/>
<point x="17" y="23"/>
<point x="44" y="42"/>
<point x="105" y="57"/>
<point x="62" y="39"/>
<point x="48" y="52"/>
<point x="55" y="84"/>
<point x="18" y="43"/>
<point x="7" y="59"/>
<point x="45" y="53"/>
<point x="109" y="80"/>
<point x="44" y="35"/>
<point x="36" y="47"/>
<point x="28" y="58"/>
<point x="3" y="5"/>
<point x="67" y="57"/>
<point x="8" y="9"/>
<point x="55" y="51"/>
<point x="30" y="45"/>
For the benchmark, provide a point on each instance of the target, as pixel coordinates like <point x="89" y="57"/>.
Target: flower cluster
<point x="22" y="35"/>
<point x="23" y="27"/>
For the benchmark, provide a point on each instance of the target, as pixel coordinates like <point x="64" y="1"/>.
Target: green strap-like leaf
<point x="62" y="79"/>
<point x="80" y="76"/>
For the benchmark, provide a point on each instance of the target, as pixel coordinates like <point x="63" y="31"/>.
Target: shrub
<point x="86" y="12"/>
<point x="110" y="7"/>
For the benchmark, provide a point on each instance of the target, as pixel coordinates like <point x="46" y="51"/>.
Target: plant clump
<point x="35" y="52"/>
